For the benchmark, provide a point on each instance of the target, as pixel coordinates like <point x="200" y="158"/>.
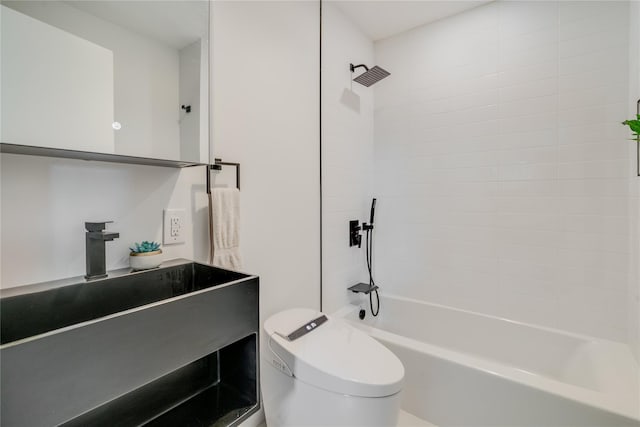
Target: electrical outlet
<point x="174" y="226"/>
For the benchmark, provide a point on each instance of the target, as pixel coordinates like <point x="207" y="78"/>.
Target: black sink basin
<point x="172" y="346"/>
<point x="32" y="313"/>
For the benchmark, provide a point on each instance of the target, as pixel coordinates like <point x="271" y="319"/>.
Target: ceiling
<point x="176" y="23"/>
<point x="379" y="19"/>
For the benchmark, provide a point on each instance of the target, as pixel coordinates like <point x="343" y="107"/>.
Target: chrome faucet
<point x="95" y="239"/>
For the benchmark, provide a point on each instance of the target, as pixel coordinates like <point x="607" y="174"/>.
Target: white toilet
<point x="321" y="371"/>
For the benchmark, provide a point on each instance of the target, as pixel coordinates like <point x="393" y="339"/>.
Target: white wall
<point x="146" y="78"/>
<point x="45" y="203"/>
<point x="266" y="107"/>
<point x="347" y="155"/>
<point x="501" y="165"/>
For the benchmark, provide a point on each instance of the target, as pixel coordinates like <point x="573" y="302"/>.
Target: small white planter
<point x="145" y="260"/>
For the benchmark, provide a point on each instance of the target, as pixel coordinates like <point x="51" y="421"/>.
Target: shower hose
<point x="369" y="251"/>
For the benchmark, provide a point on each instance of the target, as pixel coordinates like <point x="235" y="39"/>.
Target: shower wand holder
<point x="363" y="288"/>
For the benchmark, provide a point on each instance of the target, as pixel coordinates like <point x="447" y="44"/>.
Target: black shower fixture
<point x="355" y="238"/>
<point x="370" y="76"/>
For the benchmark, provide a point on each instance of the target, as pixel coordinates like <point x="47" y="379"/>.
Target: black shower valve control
<point x="355" y="238"/>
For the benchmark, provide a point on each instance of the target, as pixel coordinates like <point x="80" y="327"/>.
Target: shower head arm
<point x="353" y="67"/>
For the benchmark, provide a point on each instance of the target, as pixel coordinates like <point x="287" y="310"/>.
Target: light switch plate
<point x="174" y="226"/>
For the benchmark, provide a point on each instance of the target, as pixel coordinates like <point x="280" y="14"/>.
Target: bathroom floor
<point x="408" y="420"/>
<point x="405" y="420"/>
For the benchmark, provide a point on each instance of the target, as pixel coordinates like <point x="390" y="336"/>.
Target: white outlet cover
<point x="174" y="226"/>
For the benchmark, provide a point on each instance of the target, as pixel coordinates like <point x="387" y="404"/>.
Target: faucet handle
<point x="96" y="226"/>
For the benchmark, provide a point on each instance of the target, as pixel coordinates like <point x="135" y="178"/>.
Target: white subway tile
<point x="614" y="150"/>
<point x="529" y="57"/>
<point x="527" y="16"/>
<point x="530" y="205"/>
<point x="595" y="169"/>
<point x="528" y="74"/>
<point x="528" y="107"/>
<point x="457" y="87"/>
<point x="615" y="57"/>
<point x="588" y="133"/>
<point x="592" y="187"/>
<point x="528" y="90"/>
<point x="523" y="236"/>
<point x="592" y="277"/>
<point x="548" y="222"/>
<point x="610" y="38"/>
<point x="514" y="270"/>
<point x="459" y="102"/>
<point x="595" y="241"/>
<point x="609" y="76"/>
<point x="425" y="122"/>
<point x="591" y="259"/>
<point x="503" y="165"/>
<point x="584" y="205"/>
<point x="594" y="96"/>
<point x="609" y="225"/>
<point x="472" y="219"/>
<point x="544" y="37"/>
<point x="547" y="136"/>
<point x="534" y="254"/>
<point x="528" y="156"/>
<point x="519" y="172"/>
<point x="607" y="114"/>
<point x="590" y="15"/>
<point x="532" y="123"/>
<point x="462" y="159"/>
<point x="545" y="188"/>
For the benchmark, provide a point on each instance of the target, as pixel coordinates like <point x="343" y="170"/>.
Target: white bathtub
<point x="468" y="369"/>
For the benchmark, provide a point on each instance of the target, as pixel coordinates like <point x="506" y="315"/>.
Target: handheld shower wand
<point x="373" y="211"/>
<point x="365" y="226"/>
<point x="369" y="252"/>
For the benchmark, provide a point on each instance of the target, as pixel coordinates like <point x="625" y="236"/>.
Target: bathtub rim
<point x="603" y="401"/>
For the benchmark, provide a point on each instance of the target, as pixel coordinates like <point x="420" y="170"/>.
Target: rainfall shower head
<point x="371" y="76"/>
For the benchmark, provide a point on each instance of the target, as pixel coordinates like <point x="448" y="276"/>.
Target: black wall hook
<point x="186" y="108"/>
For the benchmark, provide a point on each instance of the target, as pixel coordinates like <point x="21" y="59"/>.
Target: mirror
<point x="118" y="77"/>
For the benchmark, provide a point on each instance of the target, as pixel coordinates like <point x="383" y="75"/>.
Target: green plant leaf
<point x="634" y="125"/>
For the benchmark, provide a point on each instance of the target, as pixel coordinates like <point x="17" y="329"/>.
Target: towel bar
<point x="217" y="166"/>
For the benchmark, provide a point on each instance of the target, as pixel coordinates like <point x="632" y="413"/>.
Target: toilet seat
<point x="334" y="356"/>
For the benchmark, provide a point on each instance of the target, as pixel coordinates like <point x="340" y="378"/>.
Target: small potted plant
<point x="145" y="255"/>
<point x="634" y="125"/>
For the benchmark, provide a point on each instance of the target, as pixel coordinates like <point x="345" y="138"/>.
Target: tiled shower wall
<point x="347" y="155"/>
<point x="501" y="166"/>
<point x="634" y="189"/>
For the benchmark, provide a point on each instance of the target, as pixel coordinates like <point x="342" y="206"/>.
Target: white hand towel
<point x="226" y="228"/>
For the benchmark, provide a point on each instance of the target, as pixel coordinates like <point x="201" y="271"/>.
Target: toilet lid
<point x="334" y="356"/>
